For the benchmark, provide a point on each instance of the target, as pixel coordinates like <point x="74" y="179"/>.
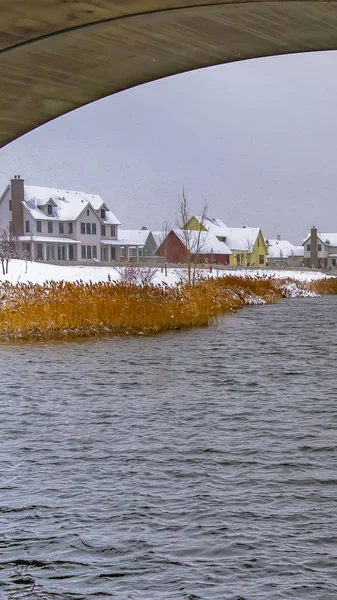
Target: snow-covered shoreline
<point x="40" y="273"/>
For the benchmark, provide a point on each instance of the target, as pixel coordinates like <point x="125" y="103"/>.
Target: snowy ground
<point x="40" y="272"/>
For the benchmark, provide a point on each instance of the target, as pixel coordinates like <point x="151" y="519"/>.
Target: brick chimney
<point x="17" y="197"/>
<point x="313" y="248"/>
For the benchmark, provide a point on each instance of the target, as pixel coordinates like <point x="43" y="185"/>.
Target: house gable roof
<point x="212" y="224"/>
<point x="207" y="242"/>
<point x="137" y="237"/>
<point x="4" y="192"/>
<point x="241" y="238"/>
<point x="328" y="239"/>
<point x="236" y="238"/>
<point x="69" y="204"/>
<point x="283" y="249"/>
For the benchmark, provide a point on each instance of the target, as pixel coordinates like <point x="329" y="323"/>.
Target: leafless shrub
<point x="10" y="247"/>
<point x="129" y="273"/>
<point x="147" y="275"/>
<point x="136" y="274"/>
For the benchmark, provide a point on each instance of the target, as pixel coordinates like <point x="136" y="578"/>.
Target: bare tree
<point x="166" y="228"/>
<point x="281" y="256"/>
<point x="194" y="240"/>
<point x="10" y="248"/>
<point x="249" y="248"/>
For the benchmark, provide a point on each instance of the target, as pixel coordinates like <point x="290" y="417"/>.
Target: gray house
<point x="137" y="243"/>
<point x="63" y="225"/>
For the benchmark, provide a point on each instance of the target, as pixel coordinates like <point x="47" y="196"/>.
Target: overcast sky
<point x="257" y="139"/>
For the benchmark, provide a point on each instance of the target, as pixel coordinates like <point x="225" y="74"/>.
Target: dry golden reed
<point x="59" y="309"/>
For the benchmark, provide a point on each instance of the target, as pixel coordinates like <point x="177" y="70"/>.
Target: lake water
<point x="193" y="465"/>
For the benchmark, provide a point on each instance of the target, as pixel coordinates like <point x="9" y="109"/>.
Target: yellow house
<point x="247" y="244"/>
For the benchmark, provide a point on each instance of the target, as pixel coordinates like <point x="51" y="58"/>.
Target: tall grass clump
<point x="60" y="309"/>
<point x="324" y="286"/>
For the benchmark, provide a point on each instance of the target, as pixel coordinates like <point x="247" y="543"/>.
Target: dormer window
<point x="102" y="213"/>
<point x="49" y="209"/>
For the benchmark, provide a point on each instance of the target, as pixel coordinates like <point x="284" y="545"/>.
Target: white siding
<point x="88" y="239"/>
<point x="5" y="213"/>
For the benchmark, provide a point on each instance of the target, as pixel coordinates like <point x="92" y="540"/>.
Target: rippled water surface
<point x="195" y="465"/>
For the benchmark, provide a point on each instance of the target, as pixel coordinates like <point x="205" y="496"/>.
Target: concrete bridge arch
<point x="58" y="55"/>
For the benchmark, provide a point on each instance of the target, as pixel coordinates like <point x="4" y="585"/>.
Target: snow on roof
<point x="237" y="238"/>
<point x="51" y="239"/>
<point x="68" y="203"/>
<point x="283" y="249"/>
<point x="207" y="242"/>
<point x="212" y="224"/>
<point x="241" y="238"/>
<point x="133" y="236"/>
<point x="328" y="239"/>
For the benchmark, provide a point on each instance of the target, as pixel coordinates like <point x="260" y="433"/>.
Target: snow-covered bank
<point x="41" y="272"/>
<point x="293" y="290"/>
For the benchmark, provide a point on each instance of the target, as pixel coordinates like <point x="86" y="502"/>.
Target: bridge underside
<point x="57" y="55"/>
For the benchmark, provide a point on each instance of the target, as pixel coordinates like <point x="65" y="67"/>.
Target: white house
<point x="63" y="225"/>
<point x="283" y="252"/>
<point x="320" y="249"/>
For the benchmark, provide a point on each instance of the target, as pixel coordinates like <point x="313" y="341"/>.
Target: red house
<point x="180" y="246"/>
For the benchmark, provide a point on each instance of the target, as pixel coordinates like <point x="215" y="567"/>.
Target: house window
<point x="38" y="226"/>
<point x="83" y="252"/>
<point x="102" y="230"/>
<point x="82" y="227"/>
<point x="70" y="228"/>
<point x="122" y="252"/>
<point x="308" y="247"/>
<point x="49" y="209"/>
<point x="113" y="230"/>
<point x="71" y="252"/>
<point x="113" y="253"/>
<point x="133" y="252"/>
<point x="261" y="259"/>
<point x="104" y="254"/>
<point x="102" y="213"/>
<point x="88" y="212"/>
<point x="39" y="251"/>
<point x="10" y="205"/>
<point x="258" y="242"/>
<point x="88" y="228"/>
<point x="50" y="227"/>
<point x="27" y="226"/>
<point x="94" y="251"/>
<point x="319" y="247"/>
<point x="61" y="227"/>
<point x="333" y="262"/>
<point x="93" y="228"/>
<point x="88" y="251"/>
